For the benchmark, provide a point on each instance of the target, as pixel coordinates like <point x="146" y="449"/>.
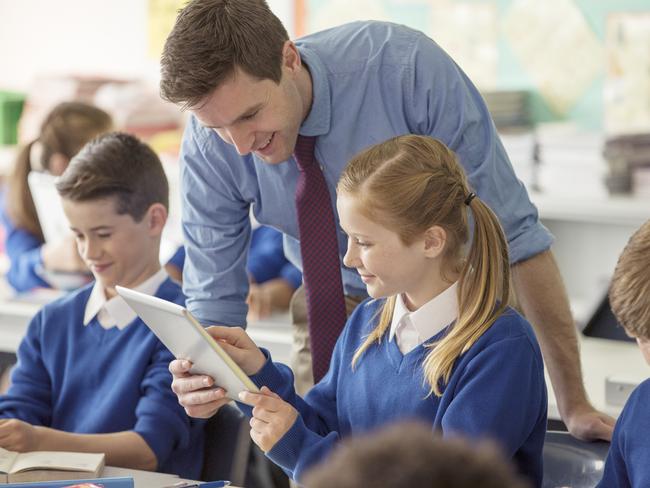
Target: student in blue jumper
<point x="273" y="279"/>
<point x="629" y="295"/>
<point x="436" y="341"/>
<point x="63" y="133"/>
<point x="90" y="376"/>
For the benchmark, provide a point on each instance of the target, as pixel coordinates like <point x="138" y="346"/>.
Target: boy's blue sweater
<point x="496" y="391"/>
<point x="86" y="379"/>
<point x="628" y="461"/>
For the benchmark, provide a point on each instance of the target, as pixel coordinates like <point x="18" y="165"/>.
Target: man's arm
<point x="542" y="296"/>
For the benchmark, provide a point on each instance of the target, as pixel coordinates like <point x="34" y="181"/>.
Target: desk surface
<point x="145" y="479"/>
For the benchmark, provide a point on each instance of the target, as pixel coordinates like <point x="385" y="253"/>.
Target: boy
<point x="90" y="376"/>
<point x="629" y="295"/>
<point x="409" y="454"/>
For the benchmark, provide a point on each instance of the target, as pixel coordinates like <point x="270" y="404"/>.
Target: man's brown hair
<point x="211" y="38"/>
<point x="409" y="454"/>
<point x="118" y="166"/>
<point x="629" y="294"/>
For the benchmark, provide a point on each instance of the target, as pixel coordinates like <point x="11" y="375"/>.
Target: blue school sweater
<point x="628" y="461"/>
<point x="24" y="251"/>
<point x="86" y="379"/>
<point x="266" y="260"/>
<point x="496" y="391"/>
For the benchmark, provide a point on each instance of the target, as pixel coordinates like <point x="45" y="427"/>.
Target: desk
<point x="602" y="358"/>
<point x="144" y="479"/>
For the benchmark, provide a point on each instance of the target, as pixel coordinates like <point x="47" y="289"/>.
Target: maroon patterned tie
<point x="320" y="257"/>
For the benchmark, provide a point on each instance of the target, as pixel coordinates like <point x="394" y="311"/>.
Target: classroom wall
<point x="564" y="42"/>
<point x="86" y="37"/>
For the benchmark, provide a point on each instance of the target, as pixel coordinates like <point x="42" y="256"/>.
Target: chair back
<point x="227" y="446"/>
<point x="569" y="462"/>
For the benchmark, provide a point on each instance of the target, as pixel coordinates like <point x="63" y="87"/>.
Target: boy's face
<point x="256" y="115"/>
<point x="117" y="249"/>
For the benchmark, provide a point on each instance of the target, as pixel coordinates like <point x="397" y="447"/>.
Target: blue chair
<point x="569" y="462"/>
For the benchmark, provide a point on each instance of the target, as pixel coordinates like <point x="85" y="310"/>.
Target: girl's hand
<point x="272" y="417"/>
<point x="240" y="347"/>
<point x="19" y="436"/>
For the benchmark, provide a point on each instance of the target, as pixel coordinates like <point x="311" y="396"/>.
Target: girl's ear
<point x="157" y="217"/>
<point x="435" y="238"/>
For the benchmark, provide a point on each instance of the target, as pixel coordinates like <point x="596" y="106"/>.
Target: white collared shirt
<point x="413" y="328"/>
<point x="115" y="312"/>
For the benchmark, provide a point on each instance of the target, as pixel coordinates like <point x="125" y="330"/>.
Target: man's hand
<point x="588" y="424"/>
<point x="272" y="417"/>
<point x="19" y="436"/>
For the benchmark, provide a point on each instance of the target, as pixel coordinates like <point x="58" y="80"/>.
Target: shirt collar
<point x="317" y="122"/>
<point x="115" y="312"/>
<point x="430" y="318"/>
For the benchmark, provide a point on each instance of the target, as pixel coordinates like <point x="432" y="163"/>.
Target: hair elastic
<point x="469" y="198"/>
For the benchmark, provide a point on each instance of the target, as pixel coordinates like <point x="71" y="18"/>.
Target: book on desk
<point x="119" y="482"/>
<point x="48" y="465"/>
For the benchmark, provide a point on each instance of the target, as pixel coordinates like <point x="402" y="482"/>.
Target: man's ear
<point x="435" y="238"/>
<point x="291" y="57"/>
<point x="156" y="218"/>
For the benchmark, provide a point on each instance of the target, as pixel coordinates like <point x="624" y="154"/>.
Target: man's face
<point x="255" y="115"/>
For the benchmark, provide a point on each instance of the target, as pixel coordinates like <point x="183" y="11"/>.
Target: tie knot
<point x="304" y="150"/>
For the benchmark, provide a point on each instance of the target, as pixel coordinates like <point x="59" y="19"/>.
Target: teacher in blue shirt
<point x="251" y="91"/>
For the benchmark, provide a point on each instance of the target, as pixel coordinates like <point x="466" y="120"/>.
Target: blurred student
<point x="629" y="295"/>
<point x="63" y="133"/>
<point x="273" y="279"/>
<point x="436" y="341"/>
<point x="90" y="376"/>
<point x="408" y="454"/>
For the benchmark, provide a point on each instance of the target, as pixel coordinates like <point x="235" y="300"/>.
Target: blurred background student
<point x="272" y="278"/>
<point x="63" y="133"/>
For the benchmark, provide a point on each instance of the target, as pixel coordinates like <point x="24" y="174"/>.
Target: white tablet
<point x="182" y="334"/>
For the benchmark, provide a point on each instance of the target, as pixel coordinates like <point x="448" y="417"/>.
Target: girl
<point x="438" y="342"/>
<point x="64" y="131"/>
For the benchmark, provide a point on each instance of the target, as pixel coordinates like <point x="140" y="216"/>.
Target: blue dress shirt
<point x="371" y="81"/>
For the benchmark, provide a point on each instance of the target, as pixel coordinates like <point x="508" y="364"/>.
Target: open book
<point x="48" y="465"/>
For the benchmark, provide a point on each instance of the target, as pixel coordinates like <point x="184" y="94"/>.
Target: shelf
<point x="618" y="210"/>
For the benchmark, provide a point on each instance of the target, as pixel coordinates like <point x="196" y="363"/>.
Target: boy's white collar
<point x="115" y="312"/>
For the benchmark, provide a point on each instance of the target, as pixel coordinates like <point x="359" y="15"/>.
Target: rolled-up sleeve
<point x="444" y="104"/>
<point x="216" y="230"/>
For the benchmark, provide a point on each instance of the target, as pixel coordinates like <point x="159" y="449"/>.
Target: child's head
<point x="115" y="195"/>
<point x="404" y="205"/>
<point x="409" y="454"/>
<point x="629" y="294"/>
<point x="63" y="133"/>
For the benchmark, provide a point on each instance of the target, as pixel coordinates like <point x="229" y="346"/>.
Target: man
<point x="252" y="92"/>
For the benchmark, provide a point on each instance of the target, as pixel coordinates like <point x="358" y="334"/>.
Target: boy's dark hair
<point x="116" y="165"/>
<point x="629" y="293"/>
<point x="212" y="37"/>
<point x="410" y="454"/>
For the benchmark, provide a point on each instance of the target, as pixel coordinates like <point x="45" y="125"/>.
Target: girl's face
<point x="386" y="265"/>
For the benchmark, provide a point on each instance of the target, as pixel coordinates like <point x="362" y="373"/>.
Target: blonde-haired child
<point x="436" y="341"/>
<point x="629" y="294"/>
